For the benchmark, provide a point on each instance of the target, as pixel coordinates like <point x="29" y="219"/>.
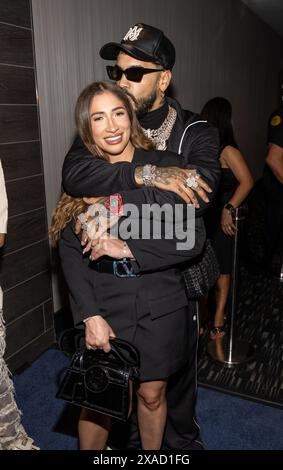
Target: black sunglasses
<point x="133" y="74"/>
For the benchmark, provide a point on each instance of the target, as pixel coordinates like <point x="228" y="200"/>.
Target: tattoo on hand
<point x="163" y="175"/>
<point x="138" y="175"/>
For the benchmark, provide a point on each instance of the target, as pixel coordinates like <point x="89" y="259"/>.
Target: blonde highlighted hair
<point x="68" y="207"/>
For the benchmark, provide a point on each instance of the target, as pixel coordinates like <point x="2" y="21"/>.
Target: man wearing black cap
<point x="144" y="60"/>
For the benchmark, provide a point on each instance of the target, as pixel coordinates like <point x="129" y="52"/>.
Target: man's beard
<point x="143" y="105"/>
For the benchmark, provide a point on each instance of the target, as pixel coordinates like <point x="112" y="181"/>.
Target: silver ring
<point x="191" y="182"/>
<point x="82" y="217"/>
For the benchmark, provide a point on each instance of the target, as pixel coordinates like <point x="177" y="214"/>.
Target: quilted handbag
<point x="201" y="276"/>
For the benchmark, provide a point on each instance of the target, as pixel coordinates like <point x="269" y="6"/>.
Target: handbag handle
<point x="117" y="346"/>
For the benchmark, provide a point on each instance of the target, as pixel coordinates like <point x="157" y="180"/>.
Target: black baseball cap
<point x="143" y="42"/>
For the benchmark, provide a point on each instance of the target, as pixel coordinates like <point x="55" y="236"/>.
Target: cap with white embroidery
<point x="143" y="42"/>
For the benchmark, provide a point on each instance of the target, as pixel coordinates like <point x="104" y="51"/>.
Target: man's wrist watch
<point x="229" y="207"/>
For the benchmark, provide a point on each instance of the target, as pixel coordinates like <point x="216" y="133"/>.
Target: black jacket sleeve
<point x="200" y="147"/>
<point x="84" y="175"/>
<point x="78" y="276"/>
<point x="155" y="255"/>
<point x="144" y="195"/>
<point x="174" y="218"/>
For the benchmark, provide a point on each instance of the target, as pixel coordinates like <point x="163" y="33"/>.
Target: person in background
<point x="235" y="184"/>
<point x="273" y="185"/>
<point x="12" y="434"/>
<point x="144" y="59"/>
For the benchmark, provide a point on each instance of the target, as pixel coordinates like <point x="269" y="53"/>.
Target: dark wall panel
<point x="17" y="85"/>
<point x="18" y="123"/>
<point x="16" y="46"/>
<point x="48" y="315"/>
<point x="25" y="195"/>
<point x="30" y="325"/>
<point x="24" y="264"/>
<point x="25" y="273"/>
<point x="15" y="12"/>
<point x="30" y="352"/>
<point x="26" y="229"/>
<point x="20" y="160"/>
<point x="28" y="295"/>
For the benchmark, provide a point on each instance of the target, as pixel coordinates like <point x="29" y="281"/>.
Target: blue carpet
<point x="227" y="422"/>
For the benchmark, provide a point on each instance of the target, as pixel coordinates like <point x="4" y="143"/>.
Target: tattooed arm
<point x="174" y="179"/>
<point x="85" y="175"/>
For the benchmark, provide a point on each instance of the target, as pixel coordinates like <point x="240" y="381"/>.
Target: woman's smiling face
<point x="110" y="125"/>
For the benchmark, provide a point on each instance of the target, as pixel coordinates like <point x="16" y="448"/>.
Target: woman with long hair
<point x="148" y="307"/>
<point x="235" y="184"/>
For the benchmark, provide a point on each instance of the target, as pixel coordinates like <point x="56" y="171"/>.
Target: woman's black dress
<point x="222" y="243"/>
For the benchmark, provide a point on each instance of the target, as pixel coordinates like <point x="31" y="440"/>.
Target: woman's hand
<point x="97" y="333"/>
<point x="227" y="223"/>
<point x="175" y="179"/>
<point x="98" y="218"/>
<point x="110" y="246"/>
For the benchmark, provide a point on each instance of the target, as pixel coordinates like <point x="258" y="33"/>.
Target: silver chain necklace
<point x="161" y="135"/>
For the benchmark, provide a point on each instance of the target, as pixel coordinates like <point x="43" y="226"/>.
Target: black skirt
<point x="162" y="341"/>
<point x="223" y="247"/>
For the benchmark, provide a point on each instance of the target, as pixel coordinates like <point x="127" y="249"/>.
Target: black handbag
<point x="102" y="381"/>
<point x="201" y="276"/>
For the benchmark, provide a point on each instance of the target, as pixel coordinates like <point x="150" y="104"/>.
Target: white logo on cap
<point x="133" y="34"/>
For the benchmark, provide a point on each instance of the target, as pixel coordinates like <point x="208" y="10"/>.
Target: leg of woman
<point x="152" y="413"/>
<point x="203" y="313"/>
<point x="93" y="430"/>
<point x="221" y="296"/>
